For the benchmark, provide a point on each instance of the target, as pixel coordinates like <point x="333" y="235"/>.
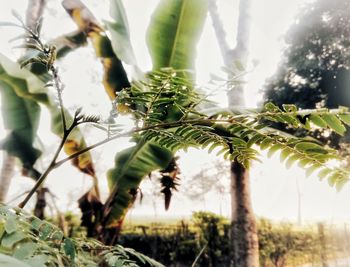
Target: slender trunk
<point x="244" y="230"/>
<point x="322" y="238"/>
<point x="7" y="171"/>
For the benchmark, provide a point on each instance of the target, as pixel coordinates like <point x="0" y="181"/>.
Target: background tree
<point x="244" y="230"/>
<point x="314" y="71"/>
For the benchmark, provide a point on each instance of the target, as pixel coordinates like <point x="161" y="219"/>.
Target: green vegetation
<point x="165" y="104"/>
<point x="32" y="242"/>
<point x="280" y="244"/>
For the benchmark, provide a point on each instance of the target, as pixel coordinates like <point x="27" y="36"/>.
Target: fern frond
<point x="237" y="135"/>
<point x="333" y="119"/>
<point x="163" y="95"/>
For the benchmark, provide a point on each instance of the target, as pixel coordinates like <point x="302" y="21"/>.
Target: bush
<point x="178" y="245"/>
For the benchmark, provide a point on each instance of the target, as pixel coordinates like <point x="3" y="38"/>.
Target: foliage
<point x="181" y="243"/>
<point x="214" y="234"/>
<point x="174" y="32"/>
<point x="314" y="71"/>
<point x="174" y="23"/>
<point x="165" y="107"/>
<point x="21" y="88"/>
<point x="316" y="60"/>
<point x="29" y="241"/>
<point x="283" y="244"/>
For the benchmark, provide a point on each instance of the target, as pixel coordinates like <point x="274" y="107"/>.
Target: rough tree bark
<point x="244" y="231"/>
<point x="245" y="246"/>
<point x="7" y="172"/>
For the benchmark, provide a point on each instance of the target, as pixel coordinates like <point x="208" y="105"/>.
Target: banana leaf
<point x="172" y="37"/>
<point x="174" y="31"/>
<point x="119" y="30"/>
<point x="115" y="77"/>
<point x="131" y="165"/>
<point x="21" y="123"/>
<point x="22" y="92"/>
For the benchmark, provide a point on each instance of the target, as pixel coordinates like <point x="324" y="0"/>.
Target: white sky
<point x="274" y="189"/>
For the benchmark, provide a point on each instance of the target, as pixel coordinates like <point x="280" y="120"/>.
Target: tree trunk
<point x="240" y="53"/>
<point x="244" y="237"/>
<point x="7" y="171"/>
<point x="245" y="246"/>
<point x="244" y="231"/>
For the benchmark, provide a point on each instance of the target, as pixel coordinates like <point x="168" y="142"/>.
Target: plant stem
<point x="199" y="255"/>
<point x="160" y="125"/>
<point x="51" y="166"/>
<point x="59" y="88"/>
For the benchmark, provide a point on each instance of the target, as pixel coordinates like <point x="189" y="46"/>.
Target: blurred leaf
<point x="334" y="123"/>
<point x="310" y="147"/>
<point x="22" y="92"/>
<point x="24" y="250"/>
<point x="345" y="118"/>
<point x="291" y="160"/>
<point x="69" y="248"/>
<point x="119" y="30"/>
<point x="9" y="240"/>
<point x="115" y="77"/>
<point x="21" y="118"/>
<point x="10" y="224"/>
<point x="8" y="261"/>
<point x="310" y="170"/>
<point x="318" y="121"/>
<point x="173" y="32"/>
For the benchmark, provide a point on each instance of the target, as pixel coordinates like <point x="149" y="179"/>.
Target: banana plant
<point x="180" y="30"/>
<point x="172" y="36"/>
<point x="22" y="92"/>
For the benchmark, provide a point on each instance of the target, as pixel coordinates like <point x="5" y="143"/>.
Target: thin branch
<point x="59" y="89"/>
<point x="155" y="98"/>
<point x="200" y="121"/>
<point x="219" y="31"/>
<point x="155" y="126"/>
<point x="49" y="168"/>
<point x="199" y="255"/>
<point x="17" y="197"/>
